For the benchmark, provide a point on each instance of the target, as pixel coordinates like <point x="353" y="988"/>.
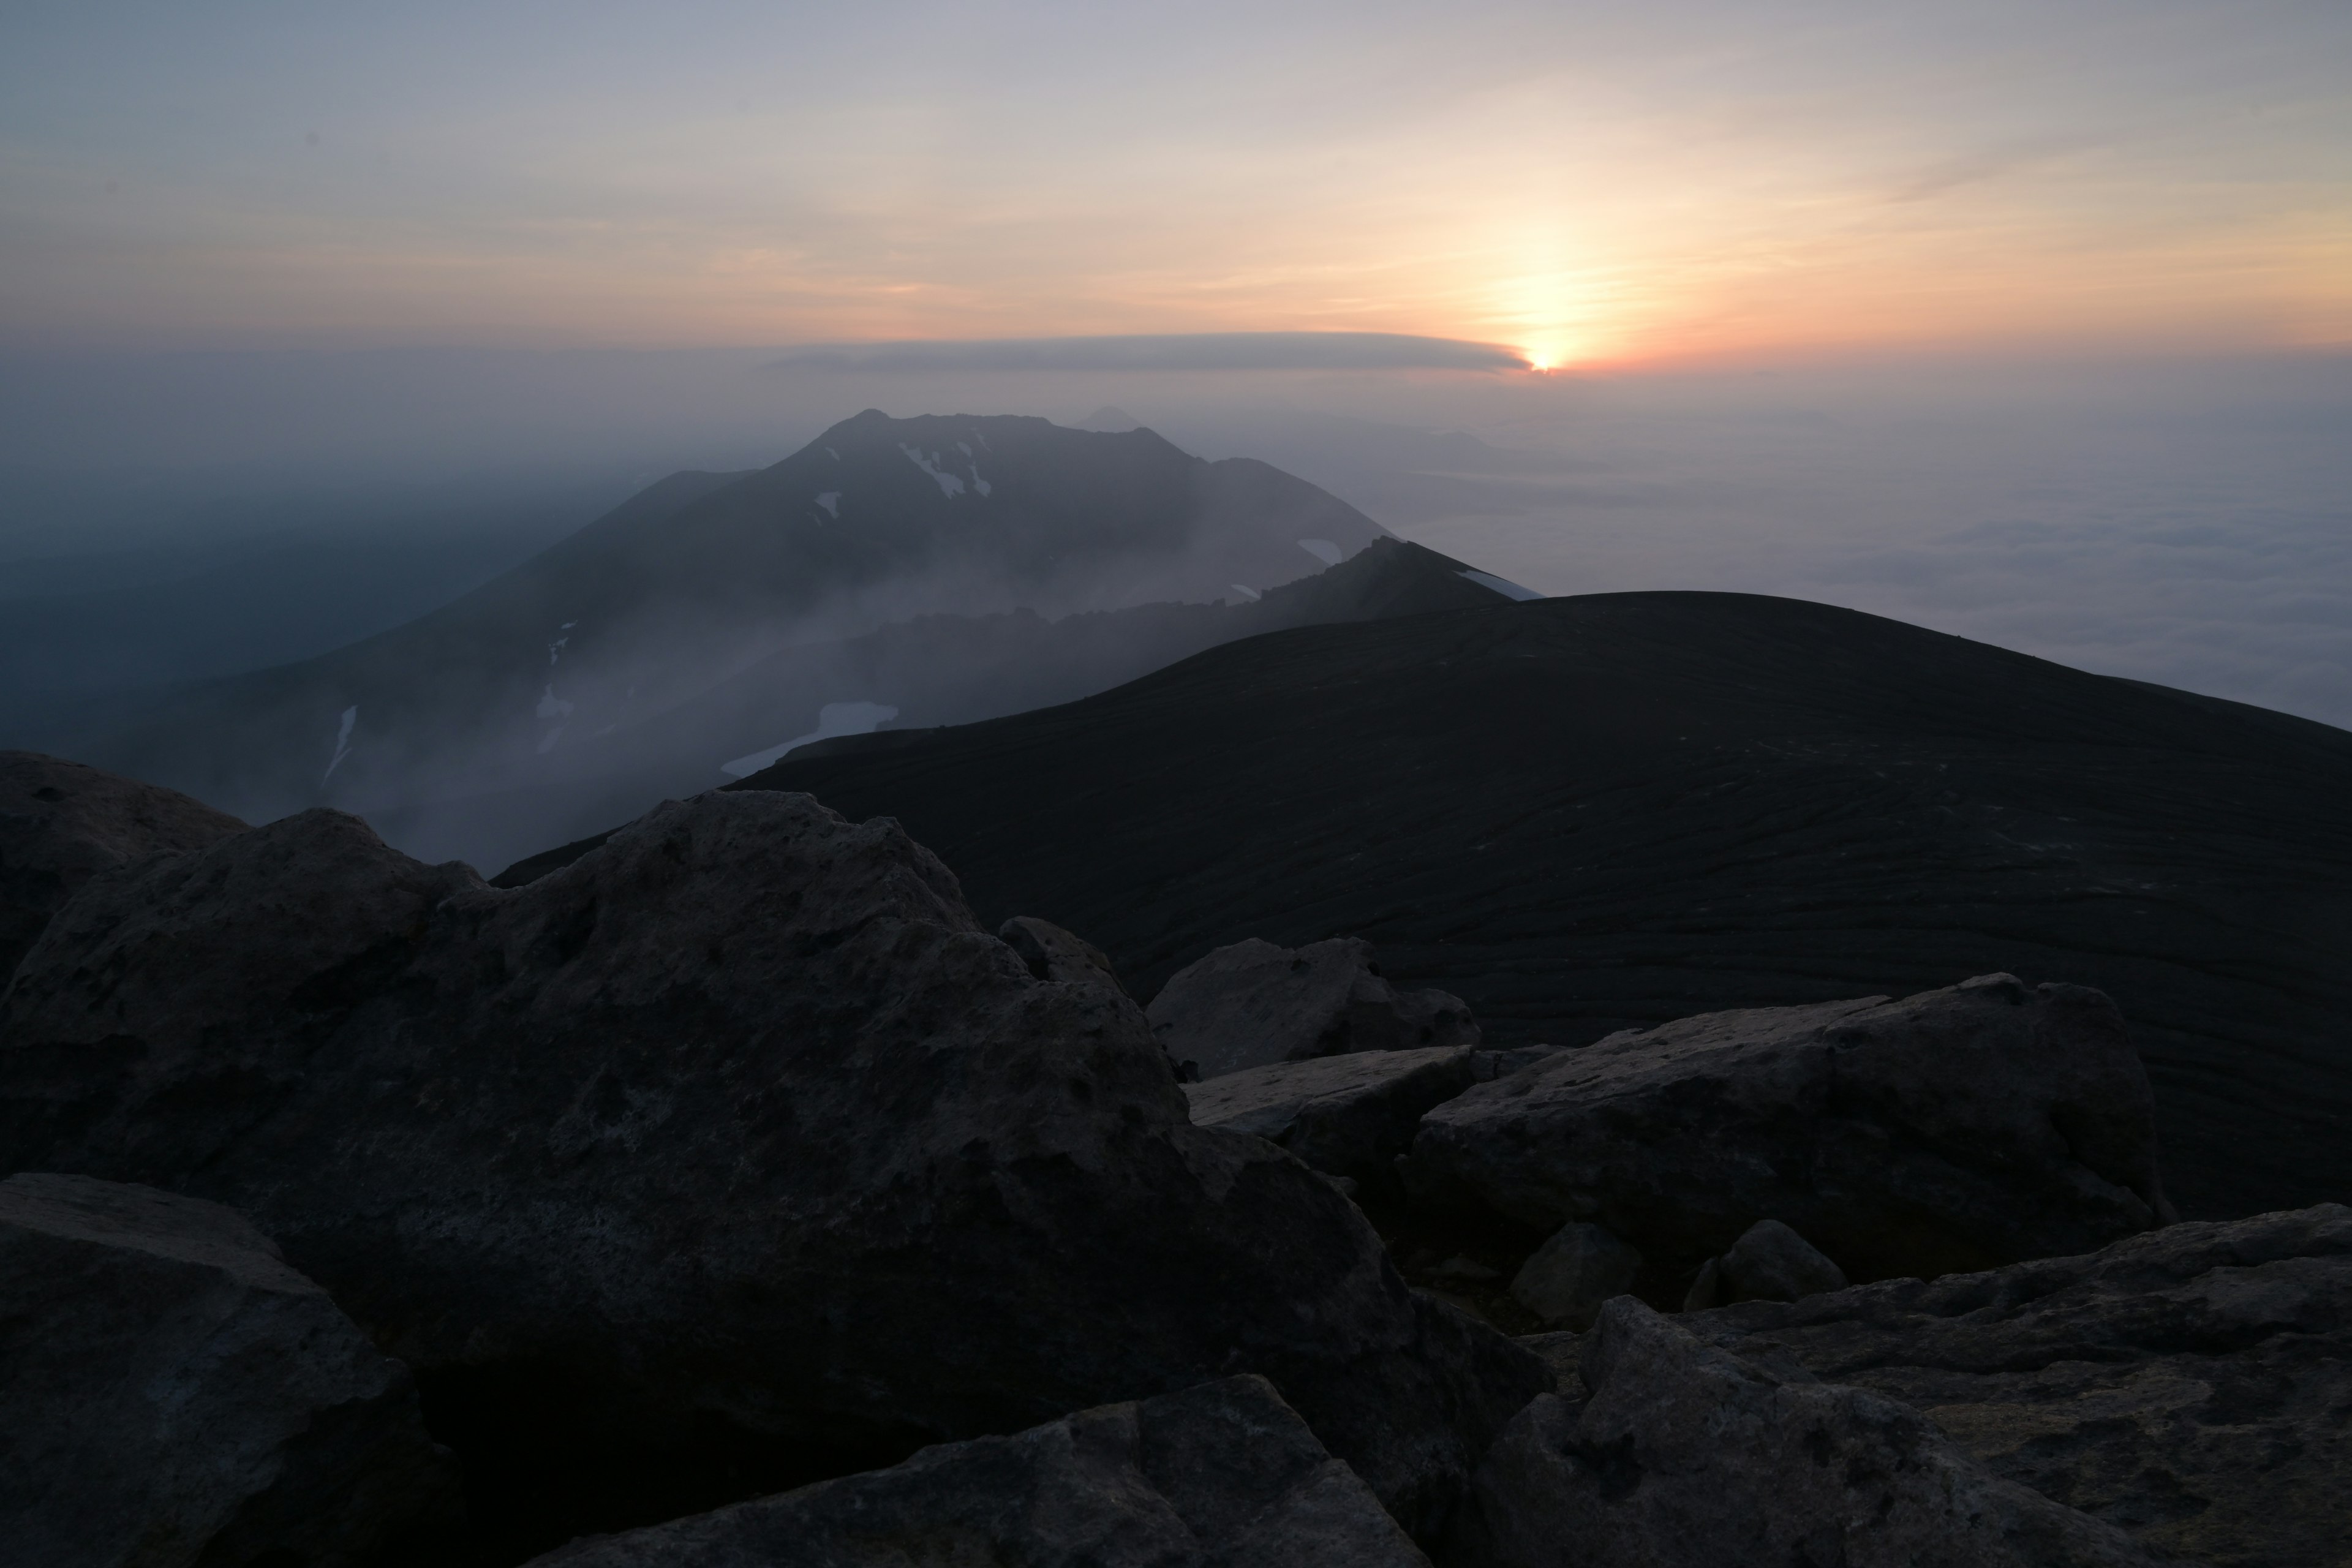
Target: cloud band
<point x="1188" y="351"/>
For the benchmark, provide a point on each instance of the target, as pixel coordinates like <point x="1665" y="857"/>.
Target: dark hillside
<point x="1582" y="814"/>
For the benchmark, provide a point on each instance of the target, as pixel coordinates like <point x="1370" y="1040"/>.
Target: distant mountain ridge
<point x="1613" y="810"/>
<point x="702" y="576"/>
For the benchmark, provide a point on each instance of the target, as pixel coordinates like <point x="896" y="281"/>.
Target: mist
<point x="173" y="517"/>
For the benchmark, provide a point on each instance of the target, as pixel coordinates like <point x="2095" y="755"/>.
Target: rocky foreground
<point x="732" y="1196"/>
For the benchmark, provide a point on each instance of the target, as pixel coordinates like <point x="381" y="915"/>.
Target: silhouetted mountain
<point x="704" y="575"/>
<point x="1589" y="813"/>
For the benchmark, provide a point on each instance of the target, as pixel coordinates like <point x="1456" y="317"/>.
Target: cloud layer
<point x="1164" y="352"/>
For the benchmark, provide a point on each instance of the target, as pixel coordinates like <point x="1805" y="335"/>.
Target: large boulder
<point x="1348" y="1115"/>
<point x="1565" y="1281"/>
<point x="1052" y="954"/>
<point x="1224" y="1473"/>
<point x="733" y="1156"/>
<point x="1685" y="1457"/>
<point x="62" y="823"/>
<point x="171" y="1393"/>
<point x="2191" y="1385"/>
<point x="1254" y="1002"/>
<point x="1957" y="1130"/>
<point x="1770" y="1263"/>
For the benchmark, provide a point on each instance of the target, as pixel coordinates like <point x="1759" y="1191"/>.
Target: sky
<point x="1583" y="184"/>
<point x="2028" y="321"/>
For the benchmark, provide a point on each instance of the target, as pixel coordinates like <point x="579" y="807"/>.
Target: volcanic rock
<point x="2192" y="1386"/>
<point x="1253" y="1003"/>
<point x="171" y="1393"/>
<point x="1348" y="1115"/>
<point x="1567" y="1278"/>
<point x="1959" y="1128"/>
<point x="1488" y="1066"/>
<point x="1224" y="1473"/>
<point x="1052" y="954"/>
<point x="1770" y="1263"/>
<point x="739" y="1140"/>
<point x="1685" y="1455"/>
<point x="61" y="823"/>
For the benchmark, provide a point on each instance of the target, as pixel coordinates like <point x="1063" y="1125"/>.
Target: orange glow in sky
<point x="1587" y="187"/>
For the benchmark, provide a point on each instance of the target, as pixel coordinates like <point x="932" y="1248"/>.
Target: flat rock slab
<point x="2192" y="1386"/>
<point x="733" y="1156"/>
<point x="1220" y="1474"/>
<point x="172" y="1391"/>
<point x="1252" y="1004"/>
<point x="1683" y="1454"/>
<point x="1955" y="1130"/>
<point x="1351" y="1115"/>
<point x="61" y="823"/>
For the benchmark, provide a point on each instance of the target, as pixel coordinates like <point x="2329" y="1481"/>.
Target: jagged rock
<point x="1959" y="1128"/>
<point x="1052" y="954"/>
<point x="1224" y="1473"/>
<point x="1686" y="1455"/>
<point x="1351" y="1115"/>
<point x="172" y="1391"/>
<point x="1567" y="1278"/>
<point x="738" y="1135"/>
<point x="2191" y="1385"/>
<point x="1773" y="1263"/>
<point x="61" y="823"/>
<point x="1253" y="1004"/>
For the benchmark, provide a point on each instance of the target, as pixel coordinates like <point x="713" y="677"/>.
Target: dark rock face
<point x="2191" y="1385"/>
<point x="1052" y="954"/>
<point x="1955" y="1130"/>
<point x="61" y="823"/>
<point x="739" y="1131"/>
<point x="1773" y="1263"/>
<point x="1686" y="1455"/>
<point x="1253" y="1004"/>
<point x="1567" y="1278"/>
<point x="1348" y="1115"/>
<point x="1224" y="1473"/>
<point x="171" y="1393"/>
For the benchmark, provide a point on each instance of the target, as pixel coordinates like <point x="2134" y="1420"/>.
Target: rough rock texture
<point x="2192" y="1386"/>
<point x="1567" y="1278"/>
<point x="1253" y="1003"/>
<point x="1052" y="954"/>
<point x="1488" y="1066"/>
<point x="61" y="823"/>
<point x="1957" y="1130"/>
<point x="1685" y="1455"/>
<point x="1351" y="1115"/>
<point x="1224" y="1473"/>
<point x="172" y="1391"/>
<point x="738" y="1128"/>
<point x="1773" y="1263"/>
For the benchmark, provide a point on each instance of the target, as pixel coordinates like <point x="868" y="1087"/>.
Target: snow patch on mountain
<point x="951" y="485"/>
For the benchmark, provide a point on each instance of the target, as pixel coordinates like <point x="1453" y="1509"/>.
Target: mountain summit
<point x="702" y="576"/>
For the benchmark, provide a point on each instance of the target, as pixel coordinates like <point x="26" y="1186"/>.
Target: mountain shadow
<point x="1586" y="814"/>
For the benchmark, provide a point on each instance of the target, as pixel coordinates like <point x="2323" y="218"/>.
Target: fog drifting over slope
<point x="2188" y="522"/>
